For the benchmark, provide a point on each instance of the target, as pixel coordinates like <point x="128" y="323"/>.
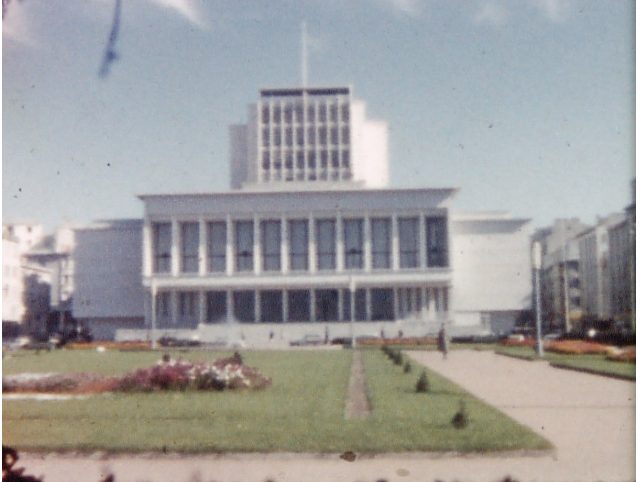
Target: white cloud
<point x="188" y="9"/>
<point x="554" y="10"/>
<point x="491" y="13"/>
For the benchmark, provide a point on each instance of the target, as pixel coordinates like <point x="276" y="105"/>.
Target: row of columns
<point x="412" y="303"/>
<point x="284" y="244"/>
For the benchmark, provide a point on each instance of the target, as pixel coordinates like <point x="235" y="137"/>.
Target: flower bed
<point x="167" y="374"/>
<point x="518" y="342"/>
<point x="109" y="345"/>
<point x="577" y="347"/>
<point x="627" y="355"/>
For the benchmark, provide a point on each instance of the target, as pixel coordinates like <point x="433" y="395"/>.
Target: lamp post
<point x="352" y="305"/>
<point x="154" y="314"/>
<point x="536" y="255"/>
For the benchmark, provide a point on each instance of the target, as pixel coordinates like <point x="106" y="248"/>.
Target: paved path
<point x="590" y="420"/>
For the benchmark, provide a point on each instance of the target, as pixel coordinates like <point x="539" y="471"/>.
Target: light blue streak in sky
<point x="528" y="112"/>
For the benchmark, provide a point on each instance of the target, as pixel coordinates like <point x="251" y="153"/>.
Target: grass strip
<point x="302" y="412"/>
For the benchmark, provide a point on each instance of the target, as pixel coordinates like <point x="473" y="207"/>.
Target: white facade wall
<point x="13" y="307"/>
<point x="108" y="262"/>
<point x="370" y="140"/>
<point x="491" y="265"/>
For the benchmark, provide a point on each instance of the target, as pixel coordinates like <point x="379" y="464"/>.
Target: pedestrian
<point x="443" y="342"/>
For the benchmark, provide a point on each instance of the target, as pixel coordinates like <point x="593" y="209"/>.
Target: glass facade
<point x="244" y="245"/>
<point x="326" y="243"/>
<point x="270" y="232"/>
<point x="353" y="244"/>
<point x="216" y="246"/>
<point x="190" y="237"/>
<point x="437" y="251"/>
<point x="161" y="247"/>
<point x="381" y="243"/>
<point x="298" y="245"/>
<point x="408" y="241"/>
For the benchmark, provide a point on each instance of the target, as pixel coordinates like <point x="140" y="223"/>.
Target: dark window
<point x="326" y="243"/>
<point x="299" y="112"/>
<point x="312" y="159"/>
<point x="277" y="139"/>
<point x="265" y="137"/>
<point x="334" y="135"/>
<point x="345" y="158"/>
<point x="163" y="308"/>
<point x="188" y="308"/>
<point x="162" y="247"/>
<point x="322" y="112"/>
<point x="299" y="136"/>
<point x="300" y="159"/>
<point x="299" y="305"/>
<point x="190" y="240"/>
<point x="353" y="243"/>
<point x="298" y="244"/>
<point x="311" y="113"/>
<point x="288" y="113"/>
<point x="345" y="135"/>
<point x="271" y="306"/>
<point x="345" y="112"/>
<point x="323" y="158"/>
<point x="217" y="246"/>
<point x="216" y="306"/>
<point x="311" y="136"/>
<point x="335" y="158"/>
<point x="244" y="306"/>
<point x="381" y="243"/>
<point x="334" y="112"/>
<point x="322" y="134"/>
<point x="271" y="240"/>
<point x="382" y="304"/>
<point x="327" y="305"/>
<point x="437" y="252"/>
<point x="408" y="241"/>
<point x="244" y="245"/>
<point x="276" y="114"/>
<point x="265" y="114"/>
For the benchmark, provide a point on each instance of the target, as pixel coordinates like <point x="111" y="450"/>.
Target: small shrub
<point x="422" y="385"/>
<point x="460" y="419"/>
<point x="407" y="367"/>
<point x="397" y="359"/>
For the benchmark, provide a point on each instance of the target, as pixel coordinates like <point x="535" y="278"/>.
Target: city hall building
<point x="310" y="240"/>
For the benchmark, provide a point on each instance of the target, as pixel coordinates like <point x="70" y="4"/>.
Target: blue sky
<point x="526" y="105"/>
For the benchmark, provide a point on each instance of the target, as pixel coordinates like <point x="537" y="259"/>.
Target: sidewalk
<point x="589" y="419"/>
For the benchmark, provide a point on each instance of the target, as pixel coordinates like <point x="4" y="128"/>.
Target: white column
<point x="154" y="294"/>
<point x="395" y="246"/>
<point x="313" y="255"/>
<point x="285" y="305"/>
<point x="257" y="253"/>
<point x="339" y="243"/>
<point x="229" y="248"/>
<point x="312" y="304"/>
<point x="256" y="305"/>
<point x="229" y="306"/>
<point x="147" y="253"/>
<point x="396" y="303"/>
<point x="202" y="247"/>
<point x="202" y="307"/>
<point x="367" y="303"/>
<point x="422" y="242"/>
<point x="367" y="242"/>
<point x="175" y="247"/>
<point x="174" y="307"/>
<point x="284" y="245"/>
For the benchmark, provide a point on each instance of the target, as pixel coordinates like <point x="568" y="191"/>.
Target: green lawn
<point x="302" y="412"/>
<point x="597" y="364"/>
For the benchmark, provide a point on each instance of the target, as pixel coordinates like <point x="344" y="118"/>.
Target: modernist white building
<point x="309" y="239"/>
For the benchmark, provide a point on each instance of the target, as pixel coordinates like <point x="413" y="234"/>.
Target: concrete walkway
<point x="589" y="419"/>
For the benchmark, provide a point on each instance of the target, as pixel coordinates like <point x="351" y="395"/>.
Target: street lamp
<point x="352" y="294"/>
<point x="536" y="255"/>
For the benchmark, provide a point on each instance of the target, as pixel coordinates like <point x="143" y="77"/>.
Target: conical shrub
<point x="461" y="418"/>
<point x="422" y="385"/>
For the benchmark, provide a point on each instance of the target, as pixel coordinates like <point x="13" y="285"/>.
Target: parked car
<point x="308" y="340"/>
